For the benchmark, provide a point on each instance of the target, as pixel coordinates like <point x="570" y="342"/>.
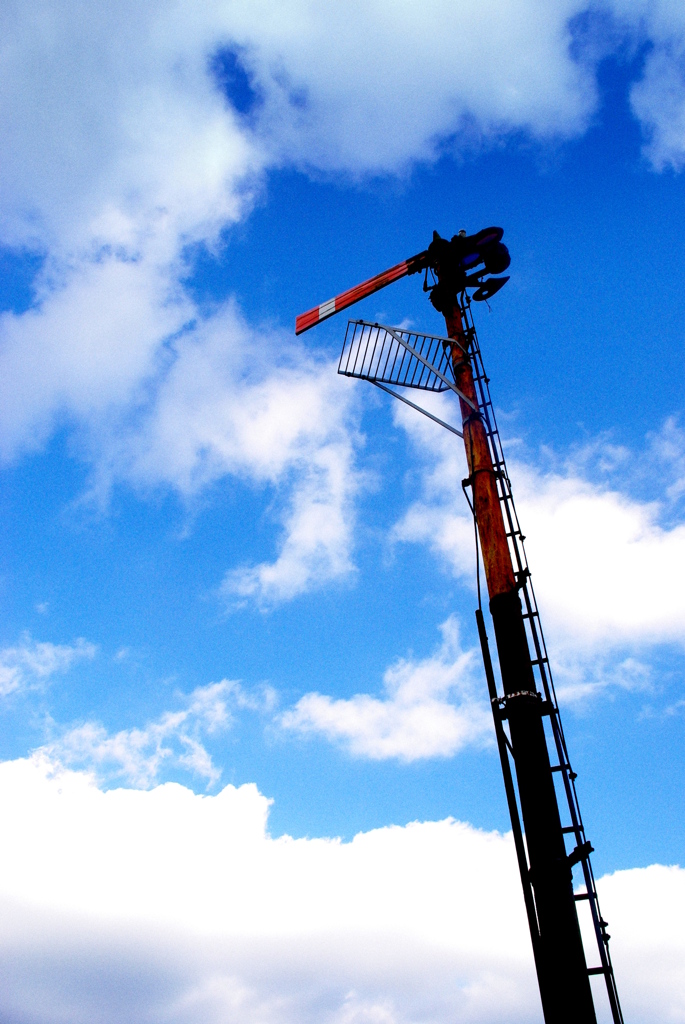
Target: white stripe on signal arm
<point x="326" y="309"/>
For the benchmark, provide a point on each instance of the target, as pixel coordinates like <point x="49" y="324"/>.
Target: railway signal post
<point x="545" y="814"/>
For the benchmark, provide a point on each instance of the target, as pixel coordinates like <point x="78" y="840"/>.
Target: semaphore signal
<point x="540" y="791"/>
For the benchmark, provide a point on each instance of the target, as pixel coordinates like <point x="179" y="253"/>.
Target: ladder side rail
<point x="536" y="628"/>
<point x="510" y="791"/>
<point x="563" y="756"/>
<point x="569" y="787"/>
<point x="564" y="763"/>
<point x="516" y="541"/>
<point x="518" y="548"/>
<point x="527" y="586"/>
<point x="506" y="497"/>
<point x="599" y="925"/>
<point x="532" y="614"/>
<point x="602" y="942"/>
<point x="503" y="482"/>
<point x="517" y="544"/>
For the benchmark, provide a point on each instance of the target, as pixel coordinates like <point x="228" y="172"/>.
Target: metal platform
<point x="391" y="355"/>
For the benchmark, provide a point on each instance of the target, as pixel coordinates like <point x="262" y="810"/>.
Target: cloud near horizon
<point x="171" y="906"/>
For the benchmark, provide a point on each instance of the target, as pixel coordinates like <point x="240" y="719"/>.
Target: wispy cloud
<point x="429" y="708"/>
<point x="175" y="739"/>
<point x="33" y="662"/>
<point x="317" y="534"/>
<point x="654" y="472"/>
<point x="264" y="411"/>
<point x="667" y="446"/>
<point x="578" y="678"/>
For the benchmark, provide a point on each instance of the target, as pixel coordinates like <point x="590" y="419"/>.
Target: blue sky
<point x="230" y="576"/>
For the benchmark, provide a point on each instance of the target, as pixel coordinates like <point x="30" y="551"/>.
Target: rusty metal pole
<point x="562" y="970"/>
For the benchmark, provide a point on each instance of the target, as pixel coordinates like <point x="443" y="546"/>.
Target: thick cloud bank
<point x="165" y="906"/>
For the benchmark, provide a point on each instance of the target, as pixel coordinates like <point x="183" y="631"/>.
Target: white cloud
<point x="658" y="99"/>
<point x="85" y="349"/>
<point x="115" y="130"/>
<point x="382" y="84"/>
<point x="175" y="739"/>
<point x="113" y="346"/>
<point x="603" y="566"/>
<point x="168" y="906"/>
<point x="658" y="102"/>
<point x="120" y="107"/>
<point x="318" y="533"/>
<point x="578" y="676"/>
<point x="667" y="447"/>
<point x="32" y="661"/>
<point x="119" y="150"/>
<point x="256" y="406"/>
<point x="122" y="152"/>
<point x="430" y="708"/>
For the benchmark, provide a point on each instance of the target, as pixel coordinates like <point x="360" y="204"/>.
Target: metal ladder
<point x="540" y="661"/>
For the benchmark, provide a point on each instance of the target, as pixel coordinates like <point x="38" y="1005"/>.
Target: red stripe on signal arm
<point x="307" y="320"/>
<point x="374" y="284"/>
<point x="313" y="316"/>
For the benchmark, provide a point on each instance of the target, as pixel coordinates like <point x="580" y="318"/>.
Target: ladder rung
<point x="597" y="970"/>
<point x="581" y="895"/>
<point x="571" y="828"/>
